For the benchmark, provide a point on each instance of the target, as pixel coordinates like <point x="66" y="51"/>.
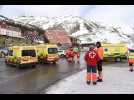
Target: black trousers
<point x="99" y="65"/>
<point x="91" y="68"/>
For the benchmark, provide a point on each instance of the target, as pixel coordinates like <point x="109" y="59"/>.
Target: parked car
<point x="3" y="52"/>
<point x="61" y="52"/>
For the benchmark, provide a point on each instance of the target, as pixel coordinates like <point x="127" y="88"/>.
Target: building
<point x="58" y="36"/>
<point x="9" y="30"/>
<point x="12" y="32"/>
<point x="75" y="41"/>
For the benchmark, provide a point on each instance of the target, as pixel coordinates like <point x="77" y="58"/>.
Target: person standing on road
<point x="91" y="58"/>
<point x="130" y="59"/>
<point x="100" y="53"/>
<point x="77" y="54"/>
<point x="78" y="57"/>
<point x="70" y="55"/>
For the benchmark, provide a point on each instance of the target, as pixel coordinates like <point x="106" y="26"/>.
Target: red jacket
<point x="78" y="54"/>
<point x="69" y="53"/>
<point x="91" y="57"/>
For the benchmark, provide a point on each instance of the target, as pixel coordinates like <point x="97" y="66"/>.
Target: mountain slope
<point x="85" y="30"/>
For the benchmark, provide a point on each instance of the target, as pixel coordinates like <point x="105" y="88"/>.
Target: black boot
<point x="131" y="70"/>
<point x="99" y="80"/>
<point x="88" y="82"/>
<point x="94" y="83"/>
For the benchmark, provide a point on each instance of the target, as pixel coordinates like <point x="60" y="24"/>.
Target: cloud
<point x="42" y="10"/>
<point x="107" y="14"/>
<point x="11" y="10"/>
<point x="112" y="14"/>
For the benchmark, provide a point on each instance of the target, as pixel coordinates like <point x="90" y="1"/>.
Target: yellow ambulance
<point x="118" y="51"/>
<point x="47" y="53"/>
<point x="22" y="56"/>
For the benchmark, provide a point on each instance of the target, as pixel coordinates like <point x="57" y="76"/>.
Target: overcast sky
<point x="107" y="14"/>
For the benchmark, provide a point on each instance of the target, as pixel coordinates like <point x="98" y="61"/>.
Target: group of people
<point x="93" y="59"/>
<point x="71" y="53"/>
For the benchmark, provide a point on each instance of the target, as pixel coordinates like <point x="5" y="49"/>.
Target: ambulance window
<point x="10" y="52"/>
<point x="52" y="50"/>
<point x="106" y="49"/>
<point x="29" y="53"/>
<point x="131" y="50"/>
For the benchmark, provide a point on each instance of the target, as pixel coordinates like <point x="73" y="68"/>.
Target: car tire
<point x="118" y="59"/>
<point x="62" y="55"/>
<point x="54" y="62"/>
<point x="6" y="63"/>
<point x="34" y="66"/>
<point x="3" y="54"/>
<point x="19" y="66"/>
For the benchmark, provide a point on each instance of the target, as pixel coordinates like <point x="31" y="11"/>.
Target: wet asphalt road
<point x="36" y="80"/>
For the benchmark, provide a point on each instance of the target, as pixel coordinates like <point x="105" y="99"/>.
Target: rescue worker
<point x="131" y="59"/>
<point x="78" y="57"/>
<point x="131" y="67"/>
<point x="77" y="54"/>
<point x="100" y="53"/>
<point x="70" y="55"/>
<point x="91" y="58"/>
<point x="66" y="52"/>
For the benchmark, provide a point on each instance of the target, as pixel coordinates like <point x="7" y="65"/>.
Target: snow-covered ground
<point x="117" y="80"/>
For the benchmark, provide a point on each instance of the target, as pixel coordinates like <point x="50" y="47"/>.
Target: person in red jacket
<point x="70" y="55"/>
<point x="78" y="57"/>
<point x="91" y="58"/>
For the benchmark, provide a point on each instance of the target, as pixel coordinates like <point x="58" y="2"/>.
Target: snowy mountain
<point x="86" y="30"/>
<point x="70" y="24"/>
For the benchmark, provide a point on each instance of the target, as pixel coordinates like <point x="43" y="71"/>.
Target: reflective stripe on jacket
<point x="131" y="57"/>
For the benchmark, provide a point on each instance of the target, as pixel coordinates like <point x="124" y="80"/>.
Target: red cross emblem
<point x="92" y="54"/>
